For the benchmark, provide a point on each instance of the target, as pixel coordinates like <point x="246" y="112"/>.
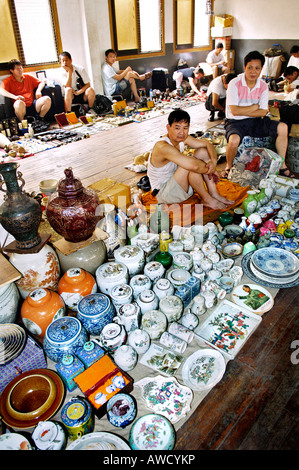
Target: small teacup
<point x="227" y="283"/>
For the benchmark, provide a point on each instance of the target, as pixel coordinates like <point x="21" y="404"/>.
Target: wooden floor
<point x="256" y="404"/>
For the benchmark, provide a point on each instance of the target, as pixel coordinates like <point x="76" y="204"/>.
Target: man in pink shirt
<point x="246" y="112"/>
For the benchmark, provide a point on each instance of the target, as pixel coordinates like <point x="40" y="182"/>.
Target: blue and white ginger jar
<point x="95" y="311"/>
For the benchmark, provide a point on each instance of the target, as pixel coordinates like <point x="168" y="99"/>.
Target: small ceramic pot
<point x="121" y="410"/>
<point x="125" y="357"/>
<point x="172" y="307"/>
<point x="206" y="265"/>
<point x="199" y="273"/>
<point x="200" y="233"/>
<point x="112" y="336"/>
<point x="154" y="270"/>
<point x="74" y="285"/>
<point x="198" y="306"/>
<point x="131" y="256"/>
<point x="181" y="332"/>
<point x="189" y="320"/>
<point x="41" y="307"/>
<point x="163" y="287"/>
<point x="139" y="283"/>
<point x="197" y="256"/>
<point x="188" y="242"/>
<point x="147" y="300"/>
<point x="139" y="340"/>
<point x="225" y="219"/>
<point x="95" y="311"/>
<point x="121" y="295"/>
<point x="209" y="247"/>
<point x="178" y="277"/>
<point x="227" y="283"/>
<point x="170" y="341"/>
<point x="77" y="417"/>
<point x="212" y="229"/>
<point x="155" y="323"/>
<point x="129" y="316"/>
<point x="182" y="260"/>
<point x="118" y="381"/>
<point x="64" y="335"/>
<point x="49" y="435"/>
<point x="214" y="257"/>
<point x="210" y="299"/>
<point x="9" y="303"/>
<point x="214" y="275"/>
<point x="111" y="274"/>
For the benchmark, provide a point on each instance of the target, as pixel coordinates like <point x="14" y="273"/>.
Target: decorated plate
<point x="275" y="262"/>
<point x="203" y="369"/>
<point x="99" y="441"/>
<point x="253" y="297"/>
<point x="13" y="339"/>
<point x="166" y="397"/>
<point x="270" y="278"/>
<point x="14" y="441"/>
<point x="152" y="432"/>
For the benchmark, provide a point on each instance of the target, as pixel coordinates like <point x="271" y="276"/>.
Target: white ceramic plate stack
<point x="275" y="265"/>
<point x="13" y="339"/>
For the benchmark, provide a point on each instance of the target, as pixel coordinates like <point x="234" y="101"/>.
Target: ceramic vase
<point x="38" y="269"/>
<point x="139" y="340"/>
<point x="139" y="283"/>
<point x="129" y="315"/>
<point x="121" y="295"/>
<point x="71" y="211"/>
<point x="132" y="256"/>
<point x="9" y="302"/>
<point x="125" y="357"/>
<point x="172" y="307"/>
<point x="164" y="258"/>
<point x="39" y="309"/>
<point x="147" y="300"/>
<point x="116" y="234"/>
<point x="95" y="311"/>
<point x="155" y="323"/>
<point x="20" y="214"/>
<point x="250" y="203"/>
<point x="121" y="410"/>
<point x="111" y="274"/>
<point x="163" y="287"/>
<point x="74" y="285"/>
<point x="89" y="257"/>
<point x="154" y="270"/>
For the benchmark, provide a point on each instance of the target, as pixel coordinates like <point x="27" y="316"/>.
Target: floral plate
<point x="99" y="441"/>
<point x="152" y="432"/>
<point x="203" y="369"/>
<point x="253" y="297"/>
<point x="166" y="397"/>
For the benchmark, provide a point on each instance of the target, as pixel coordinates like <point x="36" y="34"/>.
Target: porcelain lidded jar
<point x="183" y="260"/>
<point x="121" y="410"/>
<point x="125" y="357"/>
<point x="39" y="309"/>
<point x="38" y="269"/>
<point x="147" y="300"/>
<point x="129" y="315"/>
<point x="75" y="284"/>
<point x="132" y="256"/>
<point x="155" y="323"/>
<point x="111" y="274"/>
<point x="9" y="302"/>
<point x="139" y="340"/>
<point x="139" y="283"/>
<point x="95" y="311"/>
<point x="121" y="295"/>
<point x="112" y="336"/>
<point x="163" y="287"/>
<point x="154" y="270"/>
<point x="72" y="210"/>
<point x="64" y="335"/>
<point x="172" y="306"/>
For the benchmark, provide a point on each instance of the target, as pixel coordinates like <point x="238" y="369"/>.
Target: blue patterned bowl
<point x="64" y="335"/>
<point x="121" y="410"/>
<point x="95" y="311"/>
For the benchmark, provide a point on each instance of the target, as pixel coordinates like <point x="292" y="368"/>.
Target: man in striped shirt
<point x="246" y="112"/>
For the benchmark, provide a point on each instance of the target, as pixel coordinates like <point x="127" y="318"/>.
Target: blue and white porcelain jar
<point x="64" y="335"/>
<point x="132" y="256"/>
<point x="95" y="311"/>
<point x="111" y="274"/>
<point x="121" y="410"/>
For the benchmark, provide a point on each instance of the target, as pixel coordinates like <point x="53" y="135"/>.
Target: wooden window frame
<point x="134" y="53"/>
<point x="188" y="47"/>
<point x="45" y="65"/>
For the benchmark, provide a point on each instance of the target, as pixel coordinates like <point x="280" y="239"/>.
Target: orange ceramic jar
<point x="39" y="309"/>
<point x="75" y="284"/>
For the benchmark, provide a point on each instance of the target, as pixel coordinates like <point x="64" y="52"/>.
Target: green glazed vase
<point x="164" y="258"/>
<point x="225" y="219"/>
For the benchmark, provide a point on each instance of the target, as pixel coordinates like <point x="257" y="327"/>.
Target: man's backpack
<point x="102" y="105"/>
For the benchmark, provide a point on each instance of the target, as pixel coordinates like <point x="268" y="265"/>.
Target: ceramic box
<point x="194" y="284"/>
<point x="90" y="353"/>
<point x="184" y="293"/>
<point x="68" y="368"/>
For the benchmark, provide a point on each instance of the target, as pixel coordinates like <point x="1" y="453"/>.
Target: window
<point x="32" y="29"/>
<point x="137" y="27"/>
<point x="192" y="25"/>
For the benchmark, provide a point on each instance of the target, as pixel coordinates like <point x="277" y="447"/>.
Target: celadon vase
<point x="250" y="203"/>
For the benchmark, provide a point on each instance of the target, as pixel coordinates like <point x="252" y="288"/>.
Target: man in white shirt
<point x="294" y="59"/>
<point x="116" y="81"/>
<point x="216" y="60"/>
<point x="216" y="95"/>
<point x="76" y="83"/>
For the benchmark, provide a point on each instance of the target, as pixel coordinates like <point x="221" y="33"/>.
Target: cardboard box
<point x="219" y="31"/>
<point x="225" y="21"/>
<point x="32" y="357"/>
<point x="226" y="41"/>
<point x="230" y="58"/>
<point x="112" y="192"/>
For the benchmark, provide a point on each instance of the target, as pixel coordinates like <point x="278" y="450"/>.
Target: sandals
<point x="224" y="174"/>
<point x="287" y="173"/>
<point x="144" y="183"/>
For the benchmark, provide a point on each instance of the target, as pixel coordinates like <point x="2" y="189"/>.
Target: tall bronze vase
<point x="20" y="215"/>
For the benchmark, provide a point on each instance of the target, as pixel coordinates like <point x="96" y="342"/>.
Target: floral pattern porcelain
<point x="95" y="311"/>
<point x="38" y="269"/>
<point x="14" y="441"/>
<point x="155" y="323"/>
<point x="166" y="397"/>
<point x="139" y="283"/>
<point x="154" y="270"/>
<point x="121" y="295"/>
<point x="170" y="341"/>
<point x="139" y="340"/>
<point x="112" y="336"/>
<point x="152" y="432"/>
<point x="121" y="410"/>
<point x="181" y="332"/>
<point x="147" y="300"/>
<point x="111" y="274"/>
<point x="49" y="435"/>
<point x="203" y="369"/>
<point x="132" y="256"/>
<point x="129" y="316"/>
<point x="163" y="287"/>
<point x="276" y="262"/>
<point x="172" y="306"/>
<point x="64" y="335"/>
<point x="125" y="357"/>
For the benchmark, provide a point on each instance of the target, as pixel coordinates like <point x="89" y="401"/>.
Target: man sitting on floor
<point x="216" y="60"/>
<point x="246" y="112"/>
<point x="216" y="95"/>
<point x="76" y="83"/>
<point x="20" y="87"/>
<point x="117" y="81"/>
<point x="174" y="176"/>
<point x="192" y="74"/>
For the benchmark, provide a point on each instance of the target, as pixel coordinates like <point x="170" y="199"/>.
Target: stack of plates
<point x="275" y="265"/>
<point x="12" y="339"/>
<point x="294" y="194"/>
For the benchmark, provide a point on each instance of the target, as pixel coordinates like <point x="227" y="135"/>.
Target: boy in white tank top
<point x="174" y="176"/>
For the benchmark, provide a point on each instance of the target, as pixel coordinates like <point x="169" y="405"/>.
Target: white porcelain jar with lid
<point x="172" y="307"/>
<point x="120" y="295"/>
<point x="163" y="287"/>
<point x="154" y="270"/>
<point x="132" y="256"/>
<point x="155" y="323"/>
<point x="147" y="300"/>
<point x="139" y="283"/>
<point x="111" y="274"/>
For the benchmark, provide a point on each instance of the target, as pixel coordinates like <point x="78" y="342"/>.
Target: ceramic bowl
<point x="48" y="187"/>
<point x="121" y="410"/>
<point x="233" y="231"/>
<point x="232" y="250"/>
<point x="178" y="277"/>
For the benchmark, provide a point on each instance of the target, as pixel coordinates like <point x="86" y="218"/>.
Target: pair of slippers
<point x="144" y="183"/>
